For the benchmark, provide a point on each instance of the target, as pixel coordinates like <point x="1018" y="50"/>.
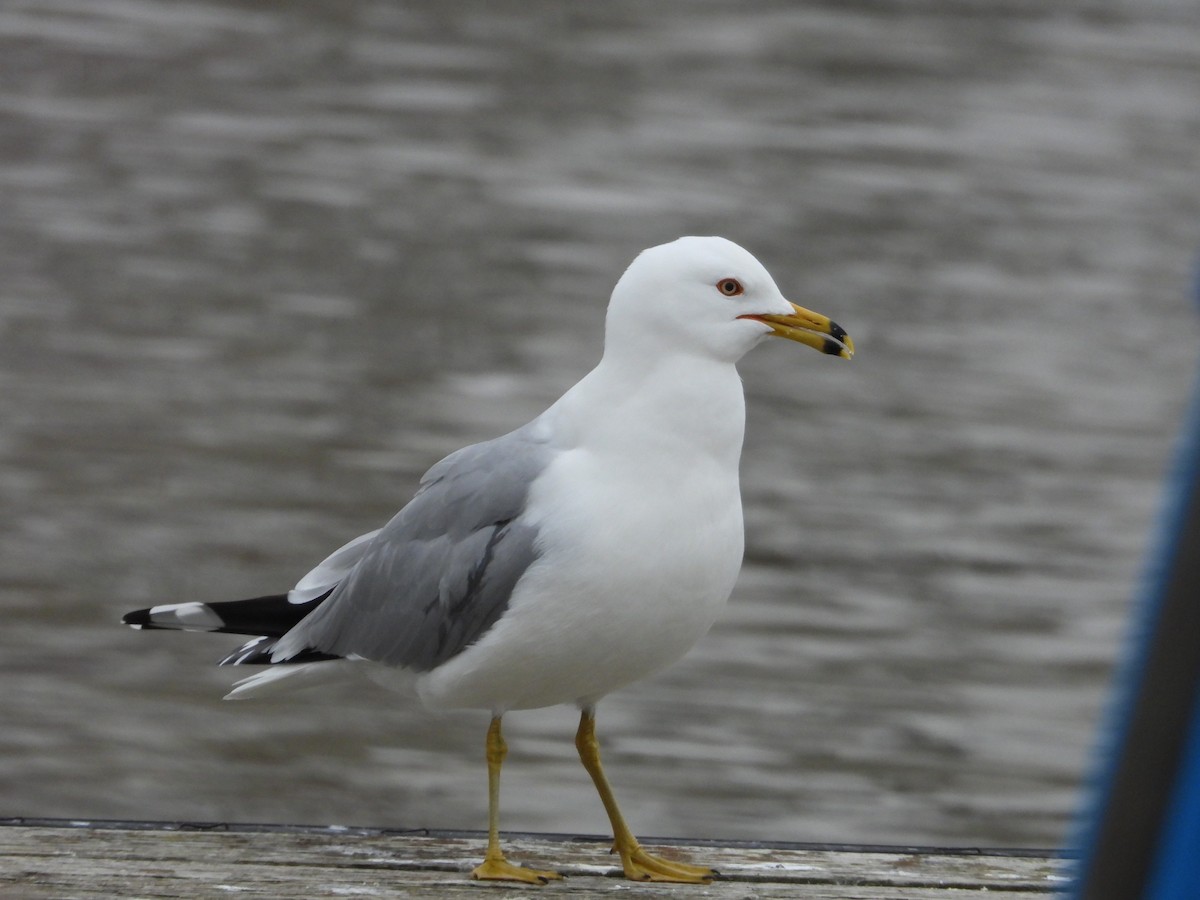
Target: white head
<point x="707" y="296"/>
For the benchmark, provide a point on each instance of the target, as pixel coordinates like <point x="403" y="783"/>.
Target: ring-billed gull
<point x="580" y="552"/>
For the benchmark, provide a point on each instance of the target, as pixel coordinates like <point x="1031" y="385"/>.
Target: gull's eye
<point x="730" y="287"/>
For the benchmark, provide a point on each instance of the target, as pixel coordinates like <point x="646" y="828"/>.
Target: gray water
<point x="262" y="264"/>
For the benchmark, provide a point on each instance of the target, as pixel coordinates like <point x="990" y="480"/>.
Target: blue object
<point x="1142" y="840"/>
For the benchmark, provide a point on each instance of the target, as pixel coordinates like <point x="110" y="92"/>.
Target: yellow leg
<point x="639" y="865"/>
<point x="494" y="866"/>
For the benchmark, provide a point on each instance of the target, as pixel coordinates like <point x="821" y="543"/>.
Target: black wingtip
<point x="139" y="618"/>
<point x="258" y="652"/>
<point x="273" y="615"/>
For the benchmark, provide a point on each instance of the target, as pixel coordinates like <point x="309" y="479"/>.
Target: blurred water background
<point x="262" y="264"/>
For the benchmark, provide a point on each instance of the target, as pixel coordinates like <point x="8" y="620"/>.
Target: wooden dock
<point x="43" y="858"/>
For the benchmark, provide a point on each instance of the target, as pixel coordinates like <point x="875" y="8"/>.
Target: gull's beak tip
<point x="812" y="329"/>
<point x="846" y="351"/>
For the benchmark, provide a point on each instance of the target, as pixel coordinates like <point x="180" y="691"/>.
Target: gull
<point x="568" y="558"/>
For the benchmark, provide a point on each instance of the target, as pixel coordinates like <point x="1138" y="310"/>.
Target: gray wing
<point x="441" y="572"/>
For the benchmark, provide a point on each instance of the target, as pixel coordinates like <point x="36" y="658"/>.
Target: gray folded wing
<point x="441" y="572"/>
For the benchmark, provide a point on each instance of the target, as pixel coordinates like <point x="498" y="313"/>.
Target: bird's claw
<point x="642" y="866"/>
<point x="495" y="868"/>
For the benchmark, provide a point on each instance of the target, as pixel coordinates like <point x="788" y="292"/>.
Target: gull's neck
<point x="680" y="407"/>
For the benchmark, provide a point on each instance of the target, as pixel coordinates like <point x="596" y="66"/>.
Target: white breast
<point x="621" y="592"/>
<point x="641" y="540"/>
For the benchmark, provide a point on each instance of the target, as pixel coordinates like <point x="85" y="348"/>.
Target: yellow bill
<point x="813" y="329"/>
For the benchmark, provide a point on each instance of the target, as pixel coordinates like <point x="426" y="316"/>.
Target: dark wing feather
<point x="271" y="616"/>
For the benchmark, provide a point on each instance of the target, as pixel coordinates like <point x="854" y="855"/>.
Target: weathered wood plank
<point x="84" y="862"/>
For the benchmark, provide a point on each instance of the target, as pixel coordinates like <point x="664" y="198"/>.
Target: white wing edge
<point x="331" y="570"/>
<point x="276" y="680"/>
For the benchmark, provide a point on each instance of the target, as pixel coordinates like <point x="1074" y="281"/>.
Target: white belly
<point x="632" y="573"/>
